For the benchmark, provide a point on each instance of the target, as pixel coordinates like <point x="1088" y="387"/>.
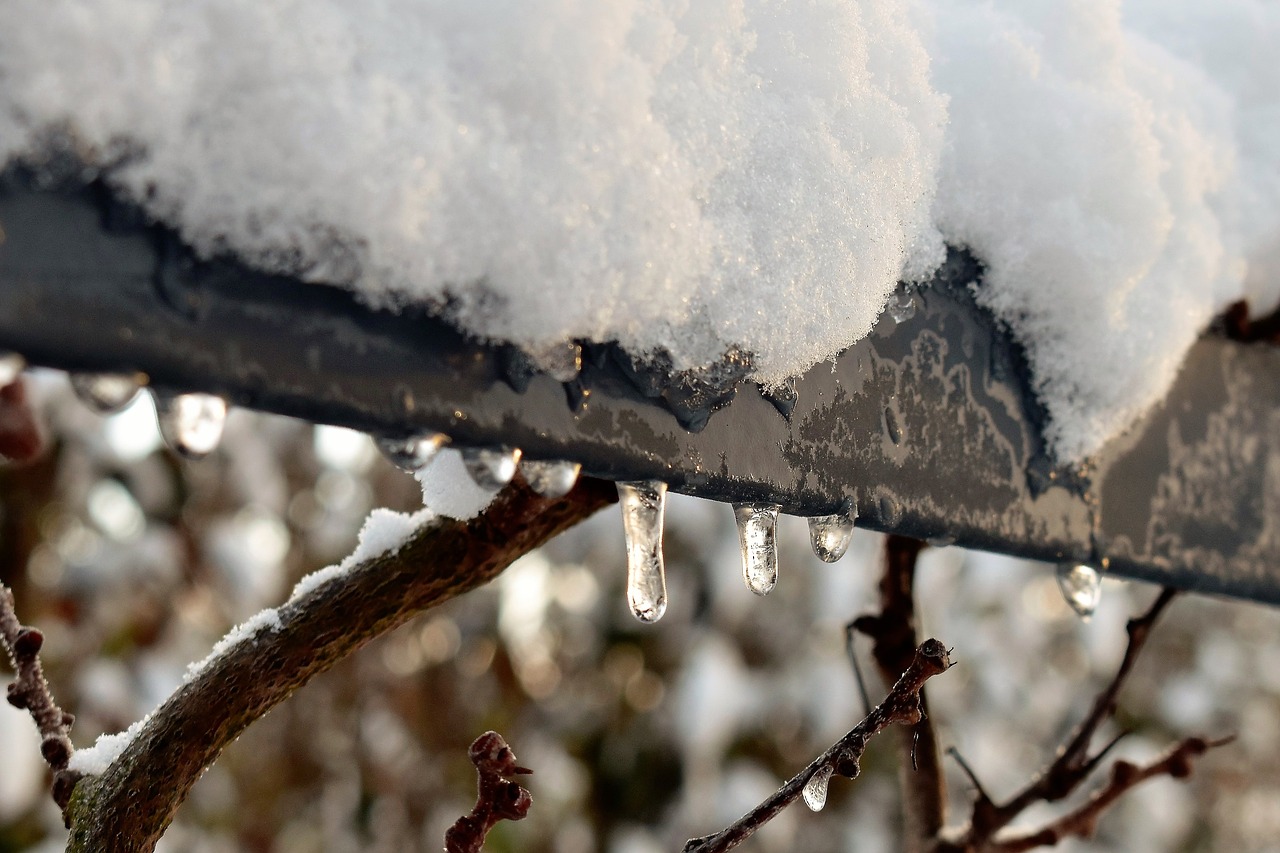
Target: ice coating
<point x="490" y="467"/>
<point x="413" y="453"/>
<point x="552" y="478"/>
<point x="1081" y="587"/>
<point x="815" y="790"/>
<point x="758" y="536"/>
<point x="106" y="393"/>
<point x="643" y="510"/>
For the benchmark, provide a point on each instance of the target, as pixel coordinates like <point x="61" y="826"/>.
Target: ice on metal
<point x="106" y="393"/>
<point x="830" y="534"/>
<point x="412" y="453"/>
<point x="1081" y="586"/>
<point x="550" y="478"/>
<point x="192" y="423"/>
<point x="815" y="790"/>
<point x="491" y="467"/>
<point x="643" y="507"/>
<point x="757" y="533"/>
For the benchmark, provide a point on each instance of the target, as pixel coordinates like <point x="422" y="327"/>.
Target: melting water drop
<point x="830" y="534"/>
<point x="491" y="467"/>
<point x="902" y="305"/>
<point x="412" y="453"/>
<point x="551" y="478"/>
<point x="192" y="423"/>
<point x="815" y="790"/>
<point x="643" y="508"/>
<point x="106" y="393"/>
<point x="757" y="533"/>
<point x="11" y="364"/>
<point x="1081" y="586"/>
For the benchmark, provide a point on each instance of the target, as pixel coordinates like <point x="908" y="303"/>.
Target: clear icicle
<point x="830" y="534"/>
<point x="413" y="453"/>
<point x="192" y="423"/>
<point x="491" y="467"/>
<point x="757" y="533"/>
<point x="552" y="478"/>
<point x="1081" y="586"/>
<point x="815" y="790"/>
<point x="106" y="393"/>
<point x="643" y="507"/>
<point x="11" y="364"/>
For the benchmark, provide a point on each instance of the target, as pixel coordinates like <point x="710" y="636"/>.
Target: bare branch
<point x="129" y="806"/>
<point x="902" y="705"/>
<point x="30" y="692"/>
<point x="497" y="798"/>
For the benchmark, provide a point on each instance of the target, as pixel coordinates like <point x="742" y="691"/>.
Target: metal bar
<point x="928" y="426"/>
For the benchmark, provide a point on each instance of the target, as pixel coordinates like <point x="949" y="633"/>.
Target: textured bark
<point x="128" y="807"/>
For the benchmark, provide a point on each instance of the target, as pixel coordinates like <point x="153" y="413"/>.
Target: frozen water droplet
<point x="830" y="534"/>
<point x="413" y="453"/>
<point x="643" y="508"/>
<point x="941" y="540"/>
<point x="11" y="364"/>
<point x="191" y="423"/>
<point x="491" y="467"/>
<point x="551" y="478"/>
<point x="1081" y="586"/>
<point x="562" y="362"/>
<point x="106" y="393"/>
<point x="757" y="533"/>
<point x="815" y="790"/>
<point x="902" y="305"/>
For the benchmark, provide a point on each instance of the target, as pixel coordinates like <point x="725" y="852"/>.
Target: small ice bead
<point x="815" y="790"/>
<point x="11" y="364"/>
<point x="830" y="535"/>
<point x="643" y="507"/>
<point x="1081" y="586"/>
<point x="106" y="393"/>
<point x="192" y="423"/>
<point x="902" y="305"/>
<point x="550" y="478"/>
<point x="412" y="453"/>
<point x="491" y="467"/>
<point x="757" y="533"/>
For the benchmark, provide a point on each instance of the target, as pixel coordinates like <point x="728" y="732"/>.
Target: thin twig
<point x="850" y="649"/>
<point x="497" y="798"/>
<point x="30" y="692"/>
<point x="902" y="705"/>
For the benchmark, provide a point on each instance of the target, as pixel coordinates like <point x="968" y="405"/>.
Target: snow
<point x="449" y="490"/>
<point x="385" y="532"/>
<point x="94" y="760"/>
<point x="696" y="177"/>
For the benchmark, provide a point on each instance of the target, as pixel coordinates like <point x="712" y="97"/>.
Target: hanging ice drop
<point x="491" y="467"/>
<point x="815" y="790"/>
<point x="1081" y="586"/>
<point x="830" y="534"/>
<point x="11" y="364"/>
<point x="643" y="506"/>
<point x="191" y="423"/>
<point x="551" y="478"/>
<point x="757" y="533"/>
<point x="106" y="393"/>
<point x="413" y="453"/>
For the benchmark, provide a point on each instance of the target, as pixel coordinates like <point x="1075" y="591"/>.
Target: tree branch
<point x="902" y="705"/>
<point x="893" y="631"/>
<point x="497" y="798"/>
<point x="128" y="807"/>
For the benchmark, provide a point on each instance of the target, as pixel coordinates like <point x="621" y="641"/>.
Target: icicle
<point x="1081" y="586"/>
<point x="902" y="305"/>
<point x="643" y="507"/>
<point x="106" y="393"/>
<point x="413" y="453"/>
<point x="551" y="479"/>
<point x="757" y="532"/>
<point x="815" y="790"/>
<point x="11" y="364"/>
<point x="830" y="534"/>
<point x="192" y="423"/>
<point x="491" y="467"/>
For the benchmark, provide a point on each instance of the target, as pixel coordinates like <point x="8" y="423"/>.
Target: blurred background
<point x="134" y="563"/>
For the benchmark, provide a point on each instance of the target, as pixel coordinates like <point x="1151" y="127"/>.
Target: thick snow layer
<point x="700" y="176"/>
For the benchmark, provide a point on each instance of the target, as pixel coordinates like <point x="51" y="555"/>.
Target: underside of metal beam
<point x="928" y="426"/>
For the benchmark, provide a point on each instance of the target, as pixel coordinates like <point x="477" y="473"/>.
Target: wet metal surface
<point x="927" y="425"/>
